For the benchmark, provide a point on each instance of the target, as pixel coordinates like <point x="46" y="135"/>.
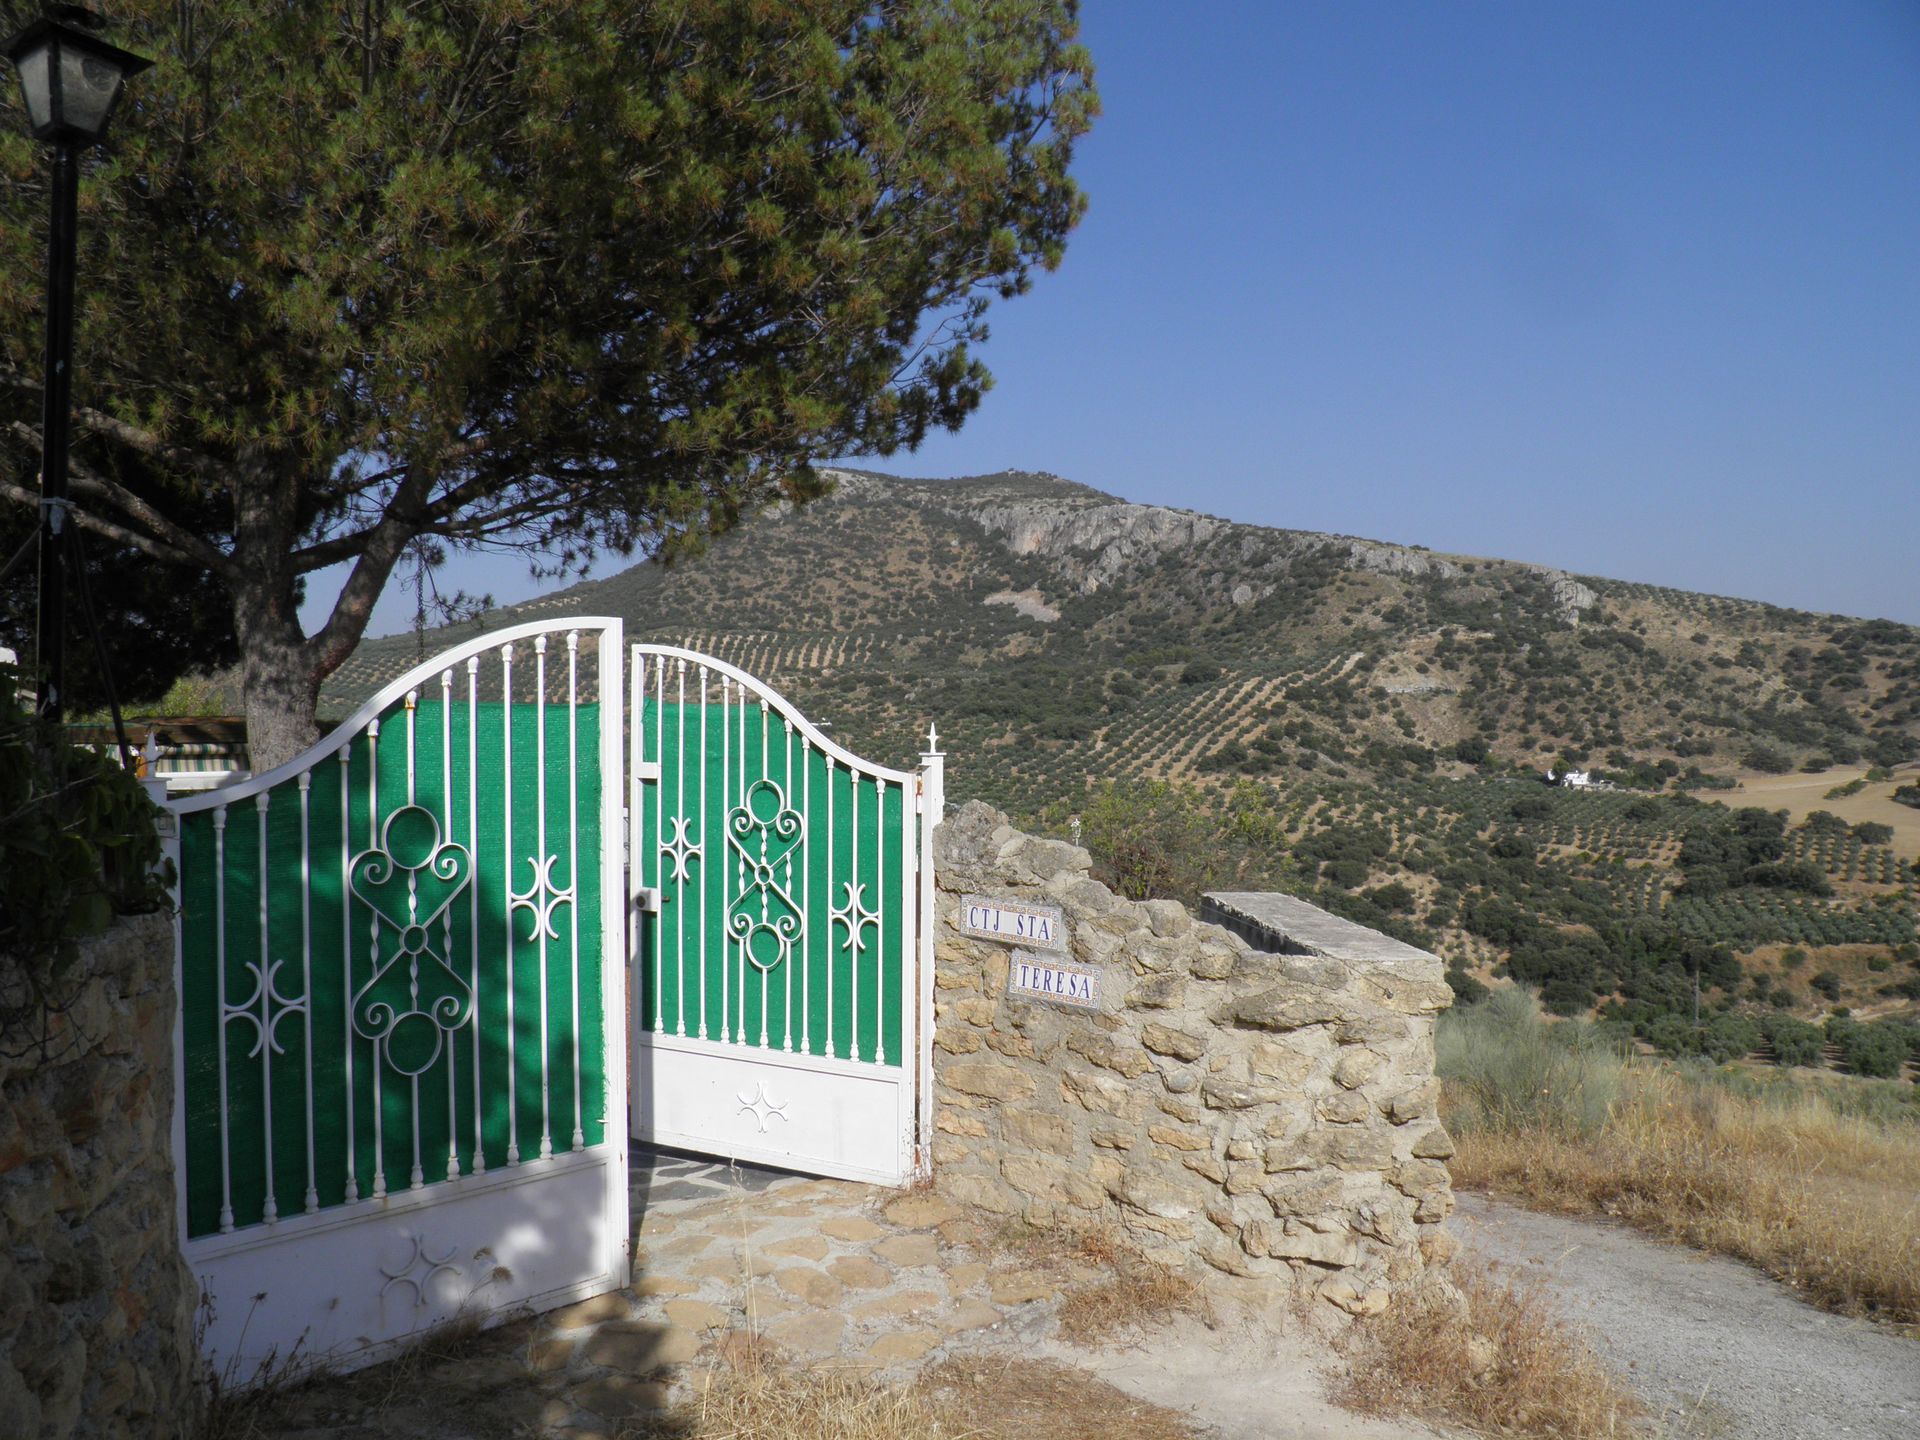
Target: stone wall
<point x="96" y="1304"/>
<point x="1269" y="1114"/>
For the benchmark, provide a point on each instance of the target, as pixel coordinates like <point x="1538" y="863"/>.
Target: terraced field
<point x="1363" y="722"/>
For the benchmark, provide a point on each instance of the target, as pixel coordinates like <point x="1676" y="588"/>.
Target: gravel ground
<point x="1717" y="1347"/>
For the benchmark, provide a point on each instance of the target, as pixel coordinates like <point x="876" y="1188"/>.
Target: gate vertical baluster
<point x="479" y="1163"/>
<point x="346" y="960"/>
<point x="573" y="859"/>
<point x="312" y="1197"/>
<point x="786" y="773"/>
<point x="506" y="771"/>
<point x="740" y="949"/>
<point x="373" y="958"/>
<point x="659" y="831"/>
<point x="806" y="895"/>
<point x="766" y="997"/>
<point x="446" y="916"/>
<point x="220" y="997"/>
<point x="680" y="863"/>
<point x="853" y="930"/>
<point x="271" y="1209"/>
<point x="880" y="929"/>
<point x="636" y="831"/>
<point x="725" y="869"/>
<point x="903" y="929"/>
<point x="416" y="1177"/>
<point x="700" y="975"/>
<point x="824" y="755"/>
<point x="539" y="918"/>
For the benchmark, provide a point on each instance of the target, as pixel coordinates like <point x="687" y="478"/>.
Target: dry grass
<point x="1003" y="1398"/>
<point x="445" y="1372"/>
<point x="751" y="1393"/>
<point x="1498" y="1359"/>
<point x="1108" y="1289"/>
<point x="1827" y="1203"/>
<point x="1133" y="1298"/>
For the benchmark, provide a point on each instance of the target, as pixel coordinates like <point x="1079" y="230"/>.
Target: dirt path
<point x="1243" y="1378"/>
<point x="1722" y="1350"/>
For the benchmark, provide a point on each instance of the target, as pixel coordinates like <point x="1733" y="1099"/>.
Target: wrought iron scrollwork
<point x="409" y="880"/>
<point x="765" y="831"/>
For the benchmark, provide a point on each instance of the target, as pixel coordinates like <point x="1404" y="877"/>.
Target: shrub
<point x="1827" y="983"/>
<point x="77" y="846"/>
<point x="1512" y="1069"/>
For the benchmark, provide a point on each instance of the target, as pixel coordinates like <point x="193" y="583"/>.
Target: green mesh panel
<point x="326" y="974"/>
<point x="821" y="993"/>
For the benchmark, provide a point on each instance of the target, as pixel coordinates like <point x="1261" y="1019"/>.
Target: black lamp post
<point x="71" y="81"/>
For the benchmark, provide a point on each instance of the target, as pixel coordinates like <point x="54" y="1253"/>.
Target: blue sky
<point x="1632" y="289"/>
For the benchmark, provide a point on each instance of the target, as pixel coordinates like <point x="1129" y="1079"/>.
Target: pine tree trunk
<point x="281" y="685"/>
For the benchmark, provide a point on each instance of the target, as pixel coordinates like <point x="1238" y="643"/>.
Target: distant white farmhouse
<point x="1572" y="779"/>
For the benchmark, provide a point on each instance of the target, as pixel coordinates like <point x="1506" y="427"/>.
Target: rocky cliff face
<point x="1091" y="540"/>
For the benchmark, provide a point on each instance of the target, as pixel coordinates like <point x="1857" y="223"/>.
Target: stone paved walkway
<point x="880" y="1281"/>
<point x="877" y="1282"/>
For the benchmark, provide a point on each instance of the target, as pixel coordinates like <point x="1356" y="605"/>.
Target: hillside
<point x="1217" y="701"/>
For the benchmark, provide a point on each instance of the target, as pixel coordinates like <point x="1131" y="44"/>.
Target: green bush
<point x="1513" y="1069"/>
<point x="77" y="846"/>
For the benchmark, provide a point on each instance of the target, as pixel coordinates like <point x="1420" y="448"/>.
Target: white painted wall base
<point x="842" y="1118"/>
<point x="349" y="1286"/>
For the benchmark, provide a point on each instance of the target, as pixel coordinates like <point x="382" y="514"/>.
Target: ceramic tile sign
<point x="1047" y="977"/>
<point x="1013" y="922"/>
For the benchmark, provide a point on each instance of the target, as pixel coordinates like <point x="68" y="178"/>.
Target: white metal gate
<point x="783" y="984"/>
<point x="402" y="1062"/>
<point x="402" y="1027"/>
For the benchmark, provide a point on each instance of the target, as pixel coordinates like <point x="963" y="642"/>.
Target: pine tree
<point x="560" y="275"/>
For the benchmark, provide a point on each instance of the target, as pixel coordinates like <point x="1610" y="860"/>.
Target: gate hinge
<point x="647" y="899"/>
<point x="645" y="770"/>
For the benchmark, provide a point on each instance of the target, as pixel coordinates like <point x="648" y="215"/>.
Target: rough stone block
<point x="1240" y="1095"/>
<point x="980" y="1191"/>
<point x="1435" y="1144"/>
<point x="1419" y="1177"/>
<point x="1168" y="918"/>
<point x="1038" y="1130"/>
<point x="1102" y="1094"/>
<point x="1179" y="1139"/>
<point x="1356" y="1067"/>
<point x="988" y="1080"/>
<point x="1284" y="1008"/>
<point x="1212" y="962"/>
<point x="1343" y="1107"/>
<point x="1205" y="1165"/>
<point x="1180" y="1044"/>
<point x="1312" y="1196"/>
<point x="1271" y="1238"/>
<point x="1417" y="1102"/>
<point x="1159" y="992"/>
<point x="1152" y="1197"/>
